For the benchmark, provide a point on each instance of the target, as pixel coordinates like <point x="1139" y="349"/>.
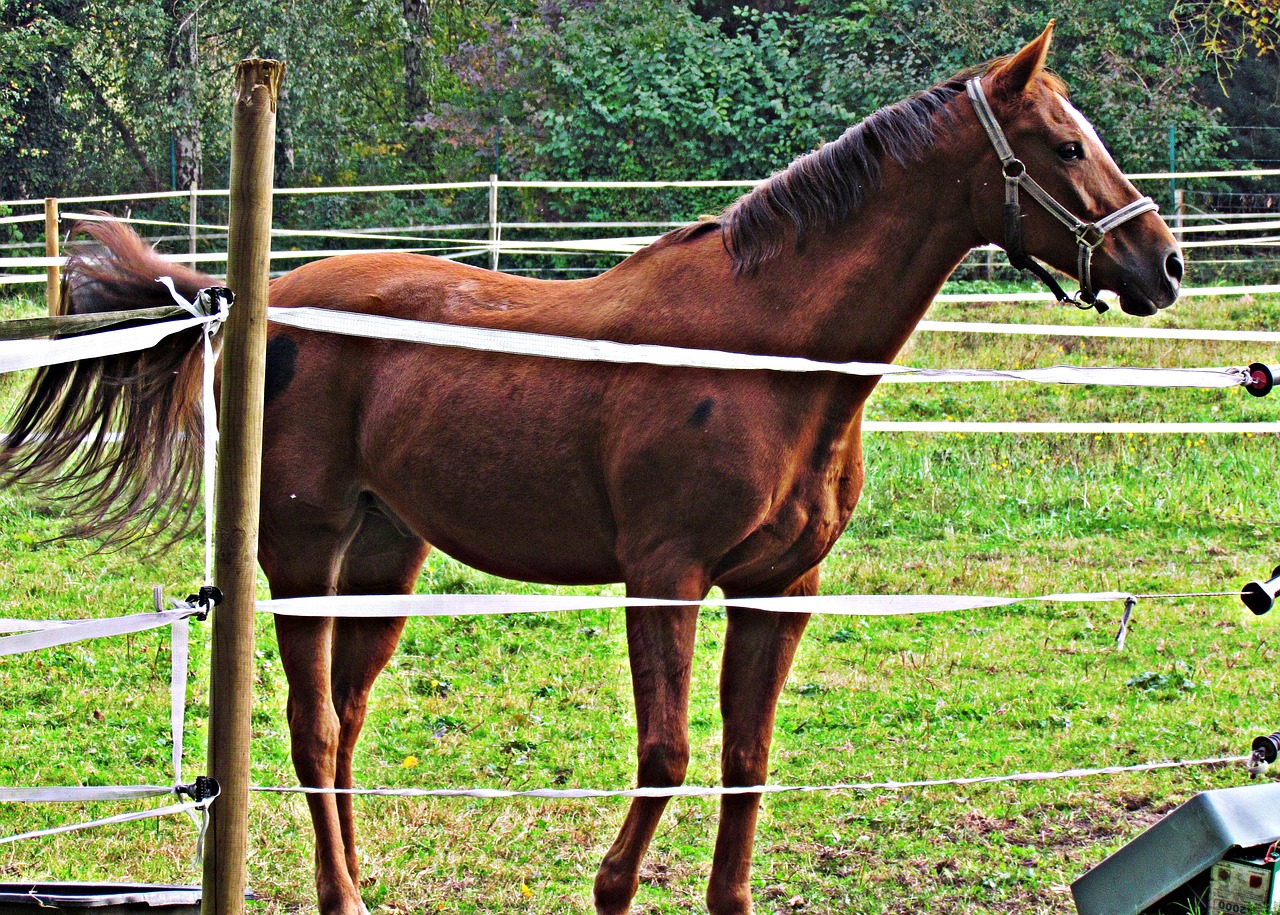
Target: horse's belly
<point x="499" y="470"/>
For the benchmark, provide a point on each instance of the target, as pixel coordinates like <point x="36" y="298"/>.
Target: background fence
<point x="1227" y="221"/>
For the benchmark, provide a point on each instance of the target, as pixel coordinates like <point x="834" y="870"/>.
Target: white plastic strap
<point x="202" y="307"/>
<point x="110" y="821"/>
<point x="178" y="664"/>
<point x="1190" y="292"/>
<point x="47" y="637"/>
<point x="1091" y="330"/>
<point x="1107" y="428"/>
<point x="28" y="354"/>
<point x="721" y="791"/>
<point x="531" y="344"/>
<point x="81" y="795"/>
<point x="9" y="624"/>
<point x="454" y="605"/>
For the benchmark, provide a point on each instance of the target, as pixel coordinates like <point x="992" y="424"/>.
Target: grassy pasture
<point x="543" y="701"/>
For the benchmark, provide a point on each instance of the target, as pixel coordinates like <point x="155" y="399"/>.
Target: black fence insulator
<point x="1262" y="378"/>
<point x="1267" y="748"/>
<point x="208" y="598"/>
<point x="206" y="787"/>
<point x="1260" y="596"/>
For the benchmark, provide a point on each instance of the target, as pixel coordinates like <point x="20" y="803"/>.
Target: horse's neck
<point x="858" y="291"/>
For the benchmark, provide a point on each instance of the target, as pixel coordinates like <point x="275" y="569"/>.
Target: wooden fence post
<point x="53" y="282"/>
<point x="494" y="230"/>
<point x="192" y="225"/>
<point x="239" y="480"/>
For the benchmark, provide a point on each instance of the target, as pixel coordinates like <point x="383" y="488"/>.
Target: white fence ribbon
<point x="189" y="806"/>
<point x="532" y="344"/>
<point x="28" y="354"/>
<point x="721" y="791"/>
<point x="81" y="794"/>
<point x="454" y="605"/>
<point x="202" y="307"/>
<point x="49" y="636"/>
<point x="1101" y="330"/>
<point x="9" y="624"/>
<point x="179" y="662"/>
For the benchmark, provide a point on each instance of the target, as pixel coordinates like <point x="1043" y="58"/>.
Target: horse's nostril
<point x="1173" y="267"/>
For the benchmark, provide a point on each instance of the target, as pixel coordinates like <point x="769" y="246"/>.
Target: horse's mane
<point x="823" y="188"/>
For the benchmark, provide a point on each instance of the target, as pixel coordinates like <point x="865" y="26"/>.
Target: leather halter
<point x="1088" y="235"/>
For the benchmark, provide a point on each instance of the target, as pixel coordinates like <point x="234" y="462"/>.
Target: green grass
<point x="532" y="701"/>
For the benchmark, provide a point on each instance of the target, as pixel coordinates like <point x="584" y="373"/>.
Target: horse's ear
<point x="1013" y="77"/>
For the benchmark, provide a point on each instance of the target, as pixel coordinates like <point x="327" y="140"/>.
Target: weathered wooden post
<point x="192" y="225"/>
<point x="239" y="480"/>
<point x="494" y="229"/>
<point x="53" y="274"/>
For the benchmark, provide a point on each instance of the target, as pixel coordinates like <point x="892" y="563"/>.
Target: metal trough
<point x="99" y="899"/>
<point x="1166" y="870"/>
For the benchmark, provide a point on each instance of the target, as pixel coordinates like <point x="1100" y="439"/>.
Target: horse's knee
<point x="663" y="763"/>
<point x="744" y="765"/>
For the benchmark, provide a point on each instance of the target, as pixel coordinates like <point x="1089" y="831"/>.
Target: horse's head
<point x="1047" y="188"/>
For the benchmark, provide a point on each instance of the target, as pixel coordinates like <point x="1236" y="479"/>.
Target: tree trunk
<point x="417" y="79"/>
<point x="122" y="128"/>
<point x="181" y="62"/>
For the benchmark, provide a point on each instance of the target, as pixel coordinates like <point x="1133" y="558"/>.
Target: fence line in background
<point x="550" y="185"/>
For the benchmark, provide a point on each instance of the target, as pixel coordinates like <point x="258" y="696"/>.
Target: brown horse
<point x="670" y="480"/>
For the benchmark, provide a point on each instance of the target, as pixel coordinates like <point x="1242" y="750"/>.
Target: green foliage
<point x="1129" y="68"/>
<point x="96" y="96"/>
<point x="36" y="37"/>
<point x="640" y="90"/>
<point x="1233" y="30"/>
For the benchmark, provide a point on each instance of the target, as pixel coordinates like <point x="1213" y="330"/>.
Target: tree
<point x="1130" y="69"/>
<point x="1232" y="30"/>
<point x="36" y="41"/>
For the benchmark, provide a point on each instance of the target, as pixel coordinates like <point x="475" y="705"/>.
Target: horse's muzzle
<point x="1144" y="293"/>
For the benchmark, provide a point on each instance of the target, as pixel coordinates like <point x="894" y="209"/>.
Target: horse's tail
<point x="116" y="440"/>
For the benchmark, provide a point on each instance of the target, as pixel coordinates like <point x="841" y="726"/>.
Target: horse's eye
<point x="1070" y="151"/>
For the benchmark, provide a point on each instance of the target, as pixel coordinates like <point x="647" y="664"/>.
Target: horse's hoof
<point x="733" y="903"/>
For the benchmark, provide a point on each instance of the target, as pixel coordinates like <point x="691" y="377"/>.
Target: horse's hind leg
<point x="304" y="562"/>
<point x="304" y="559"/>
<point x="758" y="650"/>
<point x="660" y="644"/>
<point x="384" y="558"/>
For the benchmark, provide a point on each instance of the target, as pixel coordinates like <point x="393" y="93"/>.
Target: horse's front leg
<point x="758" y="650"/>
<point x="660" y="645"/>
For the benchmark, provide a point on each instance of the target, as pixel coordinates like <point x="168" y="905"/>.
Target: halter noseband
<point x="1088" y="235"/>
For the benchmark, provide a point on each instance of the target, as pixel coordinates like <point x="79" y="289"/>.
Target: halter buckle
<point x="1089" y="236"/>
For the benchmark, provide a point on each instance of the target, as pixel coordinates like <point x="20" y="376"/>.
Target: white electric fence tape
<point x="480" y="185"/>
<point x="532" y="344"/>
<point x="179" y="662"/>
<point x="83" y="794"/>
<point x="28" y="354"/>
<point x="454" y="605"/>
<point x="191" y="807"/>
<point x="956" y="427"/>
<point x="721" y="791"/>
<point x="203" y="306"/>
<point x="1071" y="330"/>
<point x="62" y="634"/>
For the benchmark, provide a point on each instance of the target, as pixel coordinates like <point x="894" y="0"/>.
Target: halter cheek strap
<point x="1088" y="235"/>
